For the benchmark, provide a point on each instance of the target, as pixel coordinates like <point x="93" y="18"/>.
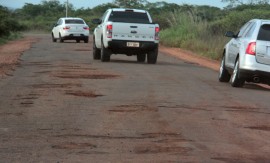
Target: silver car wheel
<point x="221" y="68"/>
<point x="235" y="71"/>
<point x="237" y="81"/>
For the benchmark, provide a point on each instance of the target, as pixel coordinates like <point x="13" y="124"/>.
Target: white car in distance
<point x="70" y="29"/>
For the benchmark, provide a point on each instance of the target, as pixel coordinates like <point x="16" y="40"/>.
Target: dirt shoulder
<point x="10" y="53"/>
<point x="190" y="57"/>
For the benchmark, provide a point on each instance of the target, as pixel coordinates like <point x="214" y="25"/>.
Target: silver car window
<point x="243" y="29"/>
<point x="250" y="30"/>
<point x="264" y="33"/>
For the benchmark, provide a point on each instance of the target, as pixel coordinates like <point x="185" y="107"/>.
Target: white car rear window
<point x="74" y="21"/>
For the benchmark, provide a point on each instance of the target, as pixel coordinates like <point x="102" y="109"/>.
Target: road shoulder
<point x="10" y="53"/>
<point x="190" y="57"/>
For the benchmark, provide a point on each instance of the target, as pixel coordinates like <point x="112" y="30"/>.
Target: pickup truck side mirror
<point x="230" y="34"/>
<point x="96" y="21"/>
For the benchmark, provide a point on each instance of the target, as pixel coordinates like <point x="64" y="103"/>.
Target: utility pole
<point x="67" y="9"/>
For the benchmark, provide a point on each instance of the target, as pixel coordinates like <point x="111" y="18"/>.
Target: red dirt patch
<point x="11" y="52"/>
<point x="190" y="57"/>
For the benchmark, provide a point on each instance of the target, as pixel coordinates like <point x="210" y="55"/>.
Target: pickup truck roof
<point x="127" y="9"/>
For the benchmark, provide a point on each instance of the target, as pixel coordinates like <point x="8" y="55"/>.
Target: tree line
<point x="42" y="16"/>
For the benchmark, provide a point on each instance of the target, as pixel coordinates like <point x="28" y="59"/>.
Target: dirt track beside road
<point x="11" y="52"/>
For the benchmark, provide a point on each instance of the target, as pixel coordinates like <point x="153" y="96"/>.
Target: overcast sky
<point x="92" y="3"/>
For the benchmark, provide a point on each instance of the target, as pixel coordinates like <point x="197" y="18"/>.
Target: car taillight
<point x="66" y="28"/>
<point x="109" y="31"/>
<point x="251" y="48"/>
<point x="86" y="28"/>
<point x="157" y="33"/>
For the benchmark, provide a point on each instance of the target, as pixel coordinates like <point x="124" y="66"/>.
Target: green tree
<point x="8" y="23"/>
<point x="130" y="3"/>
<point x="234" y="3"/>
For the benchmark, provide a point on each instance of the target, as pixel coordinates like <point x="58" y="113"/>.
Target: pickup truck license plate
<point x="133" y="44"/>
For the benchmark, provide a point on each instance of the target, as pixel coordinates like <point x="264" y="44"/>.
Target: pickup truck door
<point x="98" y="32"/>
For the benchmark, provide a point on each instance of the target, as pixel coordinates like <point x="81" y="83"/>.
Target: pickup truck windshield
<point x="129" y="17"/>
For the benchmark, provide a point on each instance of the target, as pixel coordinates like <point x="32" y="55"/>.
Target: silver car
<point x="70" y="29"/>
<point x="246" y="56"/>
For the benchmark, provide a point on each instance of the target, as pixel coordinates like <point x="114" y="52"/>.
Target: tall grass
<point x="10" y="37"/>
<point x="189" y="32"/>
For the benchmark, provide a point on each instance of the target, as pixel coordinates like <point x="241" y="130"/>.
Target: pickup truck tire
<point x="152" y="56"/>
<point x="105" y="53"/>
<point x="96" y="51"/>
<point x="141" y="57"/>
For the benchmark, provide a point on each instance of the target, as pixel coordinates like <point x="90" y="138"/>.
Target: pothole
<point x="82" y="49"/>
<point x="263" y="128"/>
<point x="159" y="149"/>
<point x="132" y="108"/>
<point x="72" y="145"/>
<point x="86" y="76"/>
<point x="89" y="94"/>
<point x="12" y="114"/>
<point x="66" y="85"/>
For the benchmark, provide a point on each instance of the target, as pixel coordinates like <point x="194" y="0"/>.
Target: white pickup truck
<point x="126" y="31"/>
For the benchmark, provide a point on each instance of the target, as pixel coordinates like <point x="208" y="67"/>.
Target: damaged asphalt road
<point x="60" y="105"/>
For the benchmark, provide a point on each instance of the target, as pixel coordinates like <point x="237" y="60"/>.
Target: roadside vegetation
<point x="197" y="28"/>
<point x="9" y="27"/>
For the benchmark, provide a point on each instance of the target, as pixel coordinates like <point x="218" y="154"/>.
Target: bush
<point x="190" y="32"/>
<point x="235" y="19"/>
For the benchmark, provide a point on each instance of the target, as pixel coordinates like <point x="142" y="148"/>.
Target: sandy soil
<point x="190" y="57"/>
<point x="10" y="53"/>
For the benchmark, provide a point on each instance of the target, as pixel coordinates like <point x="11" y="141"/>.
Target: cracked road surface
<point x="62" y="106"/>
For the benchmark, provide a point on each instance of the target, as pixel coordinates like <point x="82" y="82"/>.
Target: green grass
<point x="10" y="37"/>
<point x="191" y="33"/>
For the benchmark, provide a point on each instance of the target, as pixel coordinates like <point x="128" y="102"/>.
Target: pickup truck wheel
<point x="224" y="75"/>
<point x="61" y="39"/>
<point x="78" y="41"/>
<point x="235" y="80"/>
<point x="53" y="38"/>
<point x="105" y="53"/>
<point x="96" y="51"/>
<point x="86" y="40"/>
<point x="141" y="57"/>
<point x="152" y="56"/>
